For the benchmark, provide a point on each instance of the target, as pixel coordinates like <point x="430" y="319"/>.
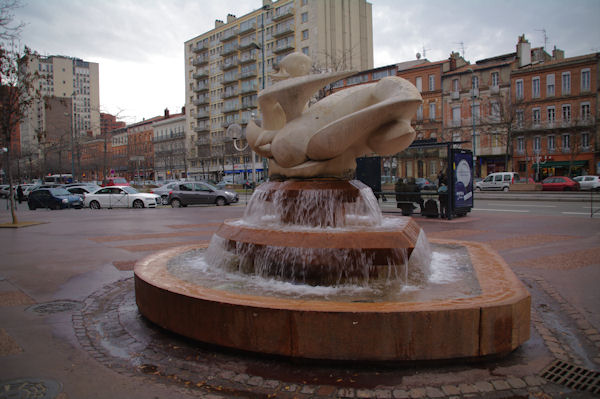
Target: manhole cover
<point x="572" y="376"/>
<point x="37" y="388"/>
<point x="55" y="307"/>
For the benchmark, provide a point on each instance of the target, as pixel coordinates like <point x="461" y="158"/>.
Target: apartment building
<point x="169" y="147"/>
<point x="64" y="78"/>
<point x="228" y="65"/>
<point x="109" y="123"/>
<point x="555" y="129"/>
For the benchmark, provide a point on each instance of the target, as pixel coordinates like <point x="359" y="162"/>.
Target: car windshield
<point x="130" y="190"/>
<point x="59" y="191"/>
<point x="210" y="186"/>
<point x="119" y="180"/>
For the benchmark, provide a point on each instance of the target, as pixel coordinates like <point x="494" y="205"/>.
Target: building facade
<point x="555" y="128"/>
<point x="169" y="142"/>
<point x="228" y="65"/>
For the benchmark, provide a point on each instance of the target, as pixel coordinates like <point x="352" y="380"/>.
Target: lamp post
<point x="72" y="145"/>
<point x="473" y="118"/>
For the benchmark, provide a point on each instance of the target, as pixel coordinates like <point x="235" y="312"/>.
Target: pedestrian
<point x="20" y="195"/>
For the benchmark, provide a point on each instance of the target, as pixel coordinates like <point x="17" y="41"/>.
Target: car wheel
<point x="220" y="201"/>
<point x="95" y="205"/>
<point x="164" y="199"/>
<point x="175" y="203"/>
<point x="138" y="204"/>
<point x="505" y="189"/>
<point x="477" y="188"/>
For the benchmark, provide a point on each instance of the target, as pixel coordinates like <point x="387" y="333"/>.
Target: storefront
<point x="560" y="168"/>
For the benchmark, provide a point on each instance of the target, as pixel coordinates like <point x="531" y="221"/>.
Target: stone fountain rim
<point x="498" y="284"/>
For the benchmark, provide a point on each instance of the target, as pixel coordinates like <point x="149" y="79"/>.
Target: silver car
<point x="192" y="193"/>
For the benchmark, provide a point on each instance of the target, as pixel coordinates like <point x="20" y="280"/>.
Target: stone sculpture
<point x="324" y="140"/>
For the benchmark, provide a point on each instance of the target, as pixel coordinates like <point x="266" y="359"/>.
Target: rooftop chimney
<point x="218" y="23"/>
<point x="231" y="18"/>
<point x="558" y="54"/>
<point x="523" y="51"/>
<point x="166" y="113"/>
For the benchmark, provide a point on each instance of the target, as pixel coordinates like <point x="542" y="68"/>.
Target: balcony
<point x="248" y="74"/>
<point x="495" y="89"/>
<point x="199" y="61"/>
<point x="283" y="15"/>
<point x="200" y="47"/>
<point x="173" y="136"/>
<point x="231" y="108"/>
<point x="203" y="141"/>
<point x="283" y="48"/>
<point x="229" y="78"/>
<point x="229" y="65"/>
<point x="248" y="90"/>
<point x="228" y="49"/>
<point x="229" y="94"/>
<point x="586" y="121"/>
<point x="228" y="35"/>
<point x="245" y="28"/>
<point x="246" y="44"/>
<point x="200" y="87"/>
<point x="200" y="73"/>
<point x="200" y="115"/>
<point x="454" y="95"/>
<point x="204" y="128"/>
<point x="248" y="59"/>
<point x="283" y="31"/>
<point x="200" y="100"/>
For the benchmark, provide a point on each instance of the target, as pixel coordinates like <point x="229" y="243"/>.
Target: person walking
<point x="20" y="195"/>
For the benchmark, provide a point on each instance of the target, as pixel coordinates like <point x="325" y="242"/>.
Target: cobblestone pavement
<point x="97" y="323"/>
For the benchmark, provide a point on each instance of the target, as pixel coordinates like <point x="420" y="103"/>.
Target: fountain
<point x="313" y="270"/>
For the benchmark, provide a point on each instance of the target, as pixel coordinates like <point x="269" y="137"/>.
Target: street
<point x="69" y="315"/>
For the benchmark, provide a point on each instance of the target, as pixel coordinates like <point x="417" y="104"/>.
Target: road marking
<point x="537" y="206"/>
<point x="500" y="210"/>
<point x="575" y="213"/>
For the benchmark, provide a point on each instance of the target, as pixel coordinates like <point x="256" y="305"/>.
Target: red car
<point x="559" y="183"/>
<point x="115" y="181"/>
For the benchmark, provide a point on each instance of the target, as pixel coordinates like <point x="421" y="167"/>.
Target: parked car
<point x="120" y="197"/>
<point x="425" y="184"/>
<point x="164" y="190"/>
<point x="200" y="193"/>
<point x="589" y="182"/>
<point x="559" y="183"/>
<point x="4" y="190"/>
<point x="497" y="181"/>
<point x="53" y="198"/>
<point x="82" y="190"/>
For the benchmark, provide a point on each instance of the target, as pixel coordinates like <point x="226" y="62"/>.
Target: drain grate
<point x="571" y="376"/>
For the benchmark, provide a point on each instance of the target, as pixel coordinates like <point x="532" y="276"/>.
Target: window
<point x="495" y="79"/>
<point x="431" y="111"/>
<point x="550" y="115"/>
<point x="520" y="144"/>
<point x="585" y="141"/>
<point x="454" y="84"/>
<point x="431" y="82"/>
<point x="585" y="111"/>
<point x="551" y="143"/>
<point x="566" y="83"/>
<point x="382" y="74"/>
<point x="304" y="17"/>
<point x="550" y="85"/>
<point x="535" y="116"/>
<point x="419" y="83"/>
<point x="519" y="89"/>
<point x="420" y="113"/>
<point x="495" y="111"/>
<point x="566" y="113"/>
<point x="535" y="87"/>
<point x="305" y="34"/>
<point x="520" y="117"/>
<point x="585" y="79"/>
<point x="305" y="50"/>
<point x="566" y="142"/>
<point x="475" y="82"/>
<point x="456" y="116"/>
<point x="537" y="144"/>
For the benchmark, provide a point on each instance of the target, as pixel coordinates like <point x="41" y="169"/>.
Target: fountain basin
<point x="494" y="322"/>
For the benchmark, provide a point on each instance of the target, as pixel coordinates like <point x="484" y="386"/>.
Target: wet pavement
<point x="70" y="327"/>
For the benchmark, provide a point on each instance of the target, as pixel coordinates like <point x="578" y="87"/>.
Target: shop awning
<point x="561" y="164"/>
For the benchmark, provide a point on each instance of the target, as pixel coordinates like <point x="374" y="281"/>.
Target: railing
<point x="286" y="30"/>
<point x="284" y="14"/>
<point x="169" y="137"/>
<point x="229" y="64"/>
<point x="201" y="73"/>
<point x="244" y="28"/>
<point x="200" y="47"/>
<point x="200" y="61"/>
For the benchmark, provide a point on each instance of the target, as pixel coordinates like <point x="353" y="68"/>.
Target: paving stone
<point x="450" y="390"/>
<point x="345" y="393"/>
<point x="417" y="393"/>
<point x="467" y="388"/>
<point x="534" y="381"/>
<point x="484" y="386"/>
<point x="308" y="389"/>
<point x="516" y="382"/>
<point x="290" y="388"/>
<point x="272" y="384"/>
<point x="365" y="393"/>
<point x="255" y="381"/>
<point x="434" y="392"/>
<point x="400" y="394"/>
<point x="500" y="385"/>
<point x="242" y="378"/>
<point x="383" y="393"/>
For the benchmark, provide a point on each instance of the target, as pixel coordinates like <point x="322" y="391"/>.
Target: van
<point x="497" y="181"/>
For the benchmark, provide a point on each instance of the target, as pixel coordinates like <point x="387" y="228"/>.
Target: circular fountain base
<point x="495" y="321"/>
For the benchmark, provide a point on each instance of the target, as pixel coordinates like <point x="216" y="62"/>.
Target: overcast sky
<point x="139" y="43"/>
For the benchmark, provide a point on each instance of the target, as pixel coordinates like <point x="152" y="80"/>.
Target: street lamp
<point x="473" y="117"/>
<point x="72" y="146"/>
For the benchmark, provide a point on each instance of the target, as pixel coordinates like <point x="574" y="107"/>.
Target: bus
<point x="63" y="178"/>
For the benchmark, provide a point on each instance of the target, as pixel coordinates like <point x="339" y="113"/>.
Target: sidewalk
<point x="70" y="327"/>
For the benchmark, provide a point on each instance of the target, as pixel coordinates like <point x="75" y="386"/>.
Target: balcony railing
<point x="248" y="58"/>
<point x="229" y="65"/>
<point x="248" y="89"/>
<point x="200" y="73"/>
<point x="229" y="94"/>
<point x="199" y="61"/>
<point x="231" y="108"/>
<point x="248" y="74"/>
<point x="282" y="15"/>
<point x="230" y="78"/>
<point x="200" y="47"/>
<point x="200" y="87"/>
<point x="200" y="101"/>
<point x="283" y="47"/>
<point x="283" y="31"/>
<point x="245" y="28"/>
<point x="202" y="128"/>
<point x="246" y="44"/>
<point x="587" y="121"/>
<point x="173" y="136"/>
<point x="228" y="49"/>
<point x="202" y="115"/>
<point x="228" y="35"/>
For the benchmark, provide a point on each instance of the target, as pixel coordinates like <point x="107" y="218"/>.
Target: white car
<point x="120" y="197"/>
<point x="588" y="182"/>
